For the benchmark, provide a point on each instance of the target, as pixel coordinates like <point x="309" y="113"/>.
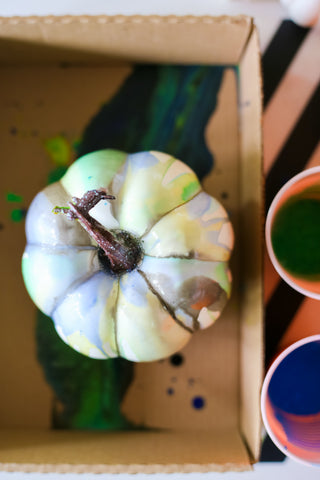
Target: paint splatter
<point x="13" y="130"/>
<point x="198" y="402"/>
<point x="14" y="198"/>
<point x="176" y="360"/>
<point x="18" y="214"/>
<point x="59" y="150"/>
<point x="170" y="391"/>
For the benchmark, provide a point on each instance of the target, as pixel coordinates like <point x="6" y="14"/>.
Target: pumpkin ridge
<point x="220" y="251"/>
<point x="115" y="323"/>
<point x="167" y="213"/>
<point x="71" y="288"/>
<point x="41" y="225"/>
<point x="88" y="158"/>
<point x="116" y="205"/>
<point x="190" y="256"/>
<point x="164" y="304"/>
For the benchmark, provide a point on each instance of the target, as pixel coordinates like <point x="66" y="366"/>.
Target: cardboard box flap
<point x="252" y="214"/>
<point x="138" y="38"/>
<point x="117" y="452"/>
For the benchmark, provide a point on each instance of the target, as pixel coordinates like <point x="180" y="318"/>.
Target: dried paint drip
<point x="198" y="403"/>
<point x="176" y="360"/>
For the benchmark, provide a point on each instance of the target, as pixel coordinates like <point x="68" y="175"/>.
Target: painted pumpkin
<point x="132" y="270"/>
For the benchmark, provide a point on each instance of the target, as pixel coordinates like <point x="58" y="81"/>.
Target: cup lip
<point x="264" y="391"/>
<point x="269" y="218"/>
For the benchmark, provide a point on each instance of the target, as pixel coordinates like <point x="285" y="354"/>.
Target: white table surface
<point x="267" y="15"/>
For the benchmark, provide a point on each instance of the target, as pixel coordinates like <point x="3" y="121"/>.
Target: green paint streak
<point x="169" y="87"/>
<point x="89" y="391"/>
<point x="164" y="96"/>
<point x="190" y="190"/>
<point x="193" y="98"/>
<point x="296" y="237"/>
<point x="59" y="150"/>
<point x="13" y="197"/>
<point x="17" y="215"/>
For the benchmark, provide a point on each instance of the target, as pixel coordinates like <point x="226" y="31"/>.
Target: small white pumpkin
<point x="178" y="279"/>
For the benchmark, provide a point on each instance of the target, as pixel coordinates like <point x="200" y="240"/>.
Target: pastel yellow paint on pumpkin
<point x="107" y="323"/>
<point x="81" y="344"/>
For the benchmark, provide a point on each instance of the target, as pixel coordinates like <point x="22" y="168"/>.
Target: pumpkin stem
<point x="119" y="251"/>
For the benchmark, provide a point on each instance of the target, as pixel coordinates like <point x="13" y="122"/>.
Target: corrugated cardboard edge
<point x="128" y="469"/>
<point x="121" y="19"/>
<point x="95" y="38"/>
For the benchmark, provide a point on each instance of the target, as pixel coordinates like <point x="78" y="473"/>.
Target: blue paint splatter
<point x="170" y="391"/>
<point x="198" y="402"/>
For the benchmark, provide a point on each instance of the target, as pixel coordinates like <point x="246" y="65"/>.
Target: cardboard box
<point x="47" y="65"/>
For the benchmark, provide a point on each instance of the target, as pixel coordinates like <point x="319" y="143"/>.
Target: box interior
<point x="56" y="72"/>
